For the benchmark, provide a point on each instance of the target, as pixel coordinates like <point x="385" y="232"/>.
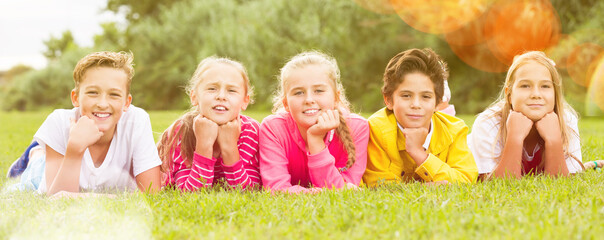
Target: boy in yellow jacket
<point x="409" y="140"/>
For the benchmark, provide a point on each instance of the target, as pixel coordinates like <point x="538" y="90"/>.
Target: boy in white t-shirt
<point x="104" y="143"/>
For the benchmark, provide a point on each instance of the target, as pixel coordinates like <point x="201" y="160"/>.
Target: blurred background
<point x="41" y="41"/>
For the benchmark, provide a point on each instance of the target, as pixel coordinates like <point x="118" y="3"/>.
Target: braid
<point x="344" y="134"/>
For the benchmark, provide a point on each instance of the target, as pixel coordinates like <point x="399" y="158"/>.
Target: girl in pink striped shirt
<point x="312" y="141"/>
<point x="213" y="141"/>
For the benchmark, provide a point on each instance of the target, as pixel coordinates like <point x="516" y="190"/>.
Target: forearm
<point x="200" y="175"/>
<point x="457" y="170"/>
<point x="510" y="164"/>
<point x="242" y="174"/>
<point x="555" y="164"/>
<point x="323" y="172"/>
<point x="65" y="176"/>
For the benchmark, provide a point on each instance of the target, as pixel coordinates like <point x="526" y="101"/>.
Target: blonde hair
<point x="186" y="135"/>
<point x="502" y="106"/>
<point x="117" y="60"/>
<point x="333" y="73"/>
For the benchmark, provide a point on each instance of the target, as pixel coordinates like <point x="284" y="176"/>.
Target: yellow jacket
<point x="449" y="157"/>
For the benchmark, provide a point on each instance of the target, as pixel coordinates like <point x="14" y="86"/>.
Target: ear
<point x="75" y="101"/>
<point x="388" y="102"/>
<point x="246" y="101"/>
<point x="128" y="102"/>
<point x="193" y="98"/>
<point x="285" y="106"/>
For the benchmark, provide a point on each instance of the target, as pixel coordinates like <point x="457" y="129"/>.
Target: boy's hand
<point x="206" y="132"/>
<point x="83" y="133"/>
<point x="327" y="121"/>
<point x="549" y="128"/>
<point x="414" y="141"/>
<point x="518" y="126"/>
<point x="228" y="134"/>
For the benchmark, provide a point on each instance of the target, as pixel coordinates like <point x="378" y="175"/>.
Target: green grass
<point x="531" y="208"/>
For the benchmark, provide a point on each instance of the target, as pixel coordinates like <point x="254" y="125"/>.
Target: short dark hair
<point x="415" y="60"/>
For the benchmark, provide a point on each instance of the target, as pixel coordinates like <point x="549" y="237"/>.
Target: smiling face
<point x="533" y="93"/>
<point x="103" y="97"/>
<point x="308" y="92"/>
<point x="414" y="101"/>
<point x="222" y="94"/>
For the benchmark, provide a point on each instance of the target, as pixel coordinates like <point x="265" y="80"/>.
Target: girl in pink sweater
<point x="213" y="141"/>
<point x="312" y="141"/>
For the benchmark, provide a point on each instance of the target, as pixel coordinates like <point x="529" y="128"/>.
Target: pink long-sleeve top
<point x="286" y="164"/>
<point x="206" y="171"/>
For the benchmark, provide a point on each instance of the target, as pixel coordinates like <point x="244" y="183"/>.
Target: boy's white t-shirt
<point x="132" y="150"/>
<point x="486" y="145"/>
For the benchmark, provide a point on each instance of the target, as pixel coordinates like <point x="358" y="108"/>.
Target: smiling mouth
<point x="101" y="115"/>
<point x="311" y="111"/>
<point x="535" y="105"/>
<point x="414" y="116"/>
<point x="220" y="108"/>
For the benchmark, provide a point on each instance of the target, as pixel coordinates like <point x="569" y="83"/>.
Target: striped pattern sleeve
<point x="199" y="175"/>
<point x="245" y="173"/>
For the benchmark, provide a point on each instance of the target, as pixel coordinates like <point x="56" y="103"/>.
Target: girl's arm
<point x="273" y="161"/>
<point x="510" y="165"/>
<point x="322" y="169"/>
<point x="244" y="172"/>
<point x="549" y="130"/>
<point x="199" y="175"/>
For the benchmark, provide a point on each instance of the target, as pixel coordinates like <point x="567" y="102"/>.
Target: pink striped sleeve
<point x="322" y="169"/>
<point x="245" y="172"/>
<point x="201" y="173"/>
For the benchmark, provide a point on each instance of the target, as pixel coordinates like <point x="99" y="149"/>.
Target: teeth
<point x="220" y="108"/>
<point x="311" y="111"/>
<point x="101" y="115"/>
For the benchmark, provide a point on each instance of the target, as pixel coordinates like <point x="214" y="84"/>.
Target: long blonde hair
<point x="186" y="135"/>
<point x="333" y="72"/>
<point x="502" y="106"/>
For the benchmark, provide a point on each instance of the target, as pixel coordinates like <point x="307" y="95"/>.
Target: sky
<point x="26" y="24"/>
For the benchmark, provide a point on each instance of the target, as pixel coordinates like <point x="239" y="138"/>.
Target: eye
<point x="92" y="93"/>
<point x="405" y="95"/>
<point x="232" y="90"/>
<point x="115" y="95"/>
<point x="297" y="93"/>
<point x="524" y="86"/>
<point x="427" y="97"/>
<point x="319" y="91"/>
<point x="211" y="88"/>
<point x="546" y="86"/>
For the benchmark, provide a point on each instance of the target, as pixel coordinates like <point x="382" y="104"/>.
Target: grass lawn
<point x="532" y="208"/>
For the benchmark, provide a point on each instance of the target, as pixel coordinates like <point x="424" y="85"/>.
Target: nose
<point x="309" y="98"/>
<point x="221" y="94"/>
<point x="415" y="102"/>
<point x="103" y="102"/>
<point x="536" y="92"/>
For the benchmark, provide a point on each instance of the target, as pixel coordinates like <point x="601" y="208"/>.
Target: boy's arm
<point x="148" y="181"/>
<point x="378" y="160"/>
<point x="459" y="166"/>
<point x="63" y="172"/>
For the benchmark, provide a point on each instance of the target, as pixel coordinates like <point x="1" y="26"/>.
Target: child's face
<point x="533" y="91"/>
<point x="103" y="97"/>
<point x="308" y="93"/>
<point x="221" y="95"/>
<point x="414" y="101"/>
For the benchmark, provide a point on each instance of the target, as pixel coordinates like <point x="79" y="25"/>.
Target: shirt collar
<point x="428" y="138"/>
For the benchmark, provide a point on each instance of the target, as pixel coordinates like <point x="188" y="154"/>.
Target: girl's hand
<point x="228" y="134"/>
<point x="327" y="121"/>
<point x="206" y="132"/>
<point x="518" y="126"/>
<point x="414" y="141"/>
<point x="83" y="133"/>
<point x="549" y="128"/>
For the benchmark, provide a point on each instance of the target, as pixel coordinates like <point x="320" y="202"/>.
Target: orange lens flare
<point x="376" y="6"/>
<point x="582" y="62"/>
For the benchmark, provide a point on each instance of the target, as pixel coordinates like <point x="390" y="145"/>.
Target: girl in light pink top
<point x="312" y="141"/>
<point x="213" y="141"/>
